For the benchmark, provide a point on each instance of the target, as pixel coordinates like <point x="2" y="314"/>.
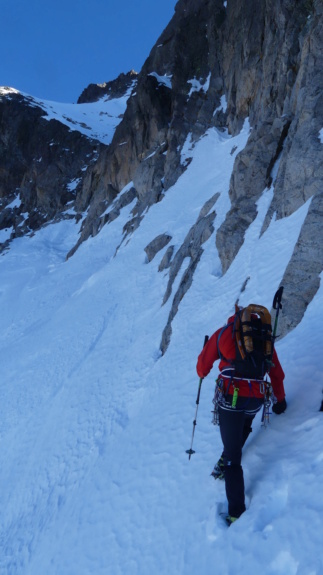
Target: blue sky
<point x="53" y="49"/>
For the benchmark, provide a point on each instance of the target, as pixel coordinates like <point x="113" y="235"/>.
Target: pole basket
<point x="190" y="452"/>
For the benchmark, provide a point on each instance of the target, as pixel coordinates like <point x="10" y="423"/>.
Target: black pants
<point x="235" y="427"/>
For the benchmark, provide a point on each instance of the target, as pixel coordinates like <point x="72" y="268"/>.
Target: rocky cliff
<point x="41" y="163"/>
<point x="216" y="64"/>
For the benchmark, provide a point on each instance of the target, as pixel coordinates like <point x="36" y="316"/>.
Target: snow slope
<point x="96" y="120"/>
<point x="94" y="423"/>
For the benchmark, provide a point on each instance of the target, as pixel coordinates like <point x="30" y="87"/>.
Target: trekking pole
<point x="191" y="451"/>
<point x="277" y="304"/>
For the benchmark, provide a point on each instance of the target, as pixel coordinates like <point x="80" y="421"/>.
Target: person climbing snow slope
<point x="246" y="352"/>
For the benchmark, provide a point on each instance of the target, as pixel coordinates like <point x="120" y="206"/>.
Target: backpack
<point x="252" y="331"/>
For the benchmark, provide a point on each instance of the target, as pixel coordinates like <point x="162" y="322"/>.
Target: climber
<point x="241" y="390"/>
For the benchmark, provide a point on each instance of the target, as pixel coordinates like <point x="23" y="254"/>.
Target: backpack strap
<point x="221" y="356"/>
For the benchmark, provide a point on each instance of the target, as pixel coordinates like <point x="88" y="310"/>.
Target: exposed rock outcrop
<point x="41" y="165"/>
<point x="192" y="250"/>
<point x="113" y="89"/>
<point x="278" y="85"/>
<point x="156" y="245"/>
<point x="176" y="94"/>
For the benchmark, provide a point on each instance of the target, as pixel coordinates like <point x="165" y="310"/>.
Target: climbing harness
<point x="221" y="394"/>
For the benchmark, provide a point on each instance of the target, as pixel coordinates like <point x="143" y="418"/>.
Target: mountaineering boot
<point x="229" y="519"/>
<point x="218" y="471"/>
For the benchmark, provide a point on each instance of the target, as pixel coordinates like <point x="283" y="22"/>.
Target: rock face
<point x="40" y="164"/>
<point x="216" y="64"/>
<point x="278" y="85"/>
<point x="156" y="245"/>
<point x="164" y="109"/>
<point x="114" y="89"/>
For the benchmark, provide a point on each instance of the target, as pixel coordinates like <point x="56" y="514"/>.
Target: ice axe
<point x="277" y="304"/>
<point x="191" y="451"/>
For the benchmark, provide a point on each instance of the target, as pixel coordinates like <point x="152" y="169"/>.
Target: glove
<point x="279" y="407"/>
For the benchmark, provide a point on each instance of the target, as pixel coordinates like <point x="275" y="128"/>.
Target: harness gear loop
<point x="269" y="399"/>
<point x="217" y="399"/>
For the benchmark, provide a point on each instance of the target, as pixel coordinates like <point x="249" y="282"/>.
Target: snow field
<point x="94" y="423"/>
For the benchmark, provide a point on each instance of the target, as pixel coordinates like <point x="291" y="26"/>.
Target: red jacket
<point x="210" y="354"/>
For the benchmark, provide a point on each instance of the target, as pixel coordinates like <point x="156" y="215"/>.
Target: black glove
<point x="279" y="407"/>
